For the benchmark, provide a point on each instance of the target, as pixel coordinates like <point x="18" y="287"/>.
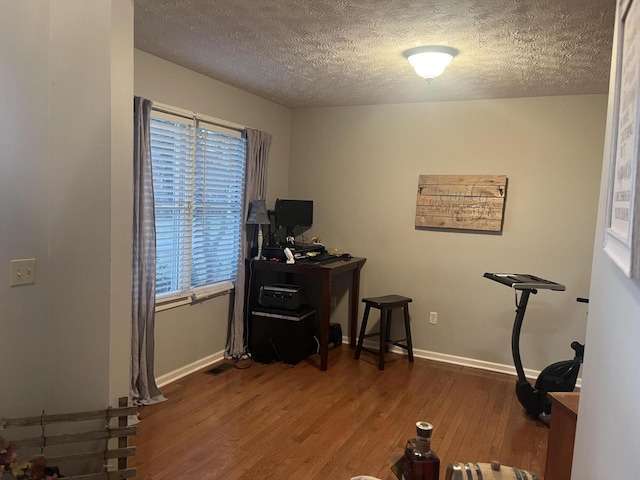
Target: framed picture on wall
<point x="622" y="233"/>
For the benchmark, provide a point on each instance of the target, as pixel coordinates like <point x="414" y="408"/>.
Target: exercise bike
<point x="557" y="377"/>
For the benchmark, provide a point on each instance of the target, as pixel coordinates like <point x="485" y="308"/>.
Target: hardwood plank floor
<point x="280" y="422"/>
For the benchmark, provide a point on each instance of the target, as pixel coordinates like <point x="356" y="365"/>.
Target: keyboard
<point x="323" y="258"/>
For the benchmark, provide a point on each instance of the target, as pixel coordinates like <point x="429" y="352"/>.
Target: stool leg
<point x="363" y="328"/>
<point x="407" y="328"/>
<point x="388" y="339"/>
<point x="384" y="314"/>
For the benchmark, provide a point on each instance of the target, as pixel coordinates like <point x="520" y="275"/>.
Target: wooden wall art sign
<point x="461" y="202"/>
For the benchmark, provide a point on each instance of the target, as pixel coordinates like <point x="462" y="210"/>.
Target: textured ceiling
<point x="310" y="53"/>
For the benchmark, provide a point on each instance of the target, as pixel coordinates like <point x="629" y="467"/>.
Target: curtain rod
<point x="160" y="107"/>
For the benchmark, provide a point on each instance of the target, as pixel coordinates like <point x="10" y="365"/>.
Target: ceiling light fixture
<point x="430" y="61"/>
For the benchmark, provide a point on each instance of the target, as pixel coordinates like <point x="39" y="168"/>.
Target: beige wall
<point x="607" y="434"/>
<point x="360" y="165"/>
<point x="607" y="440"/>
<point x="67" y="79"/>
<point x="189" y="337"/>
<point x="23" y="229"/>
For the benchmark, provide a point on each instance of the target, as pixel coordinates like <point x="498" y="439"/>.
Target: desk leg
<point x="325" y="313"/>
<point x="353" y="312"/>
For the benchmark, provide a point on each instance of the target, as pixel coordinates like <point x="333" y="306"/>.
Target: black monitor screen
<point x="294" y="214"/>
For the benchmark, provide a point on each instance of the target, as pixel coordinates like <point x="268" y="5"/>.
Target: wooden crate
<point x="109" y="434"/>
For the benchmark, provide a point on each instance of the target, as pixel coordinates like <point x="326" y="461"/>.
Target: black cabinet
<point x="282" y="335"/>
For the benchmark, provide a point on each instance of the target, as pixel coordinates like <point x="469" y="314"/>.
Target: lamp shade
<point x="258" y="213"/>
<point x="430" y="61"/>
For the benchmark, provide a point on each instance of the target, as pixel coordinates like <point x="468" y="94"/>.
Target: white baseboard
<point x="189" y="369"/>
<point x="426" y="354"/>
<point x="462" y="361"/>
<point x="469" y="362"/>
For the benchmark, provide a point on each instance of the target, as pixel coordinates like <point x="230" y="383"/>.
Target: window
<point x="198" y="181"/>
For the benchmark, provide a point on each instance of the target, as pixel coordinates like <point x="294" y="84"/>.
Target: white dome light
<point x="430" y="61"/>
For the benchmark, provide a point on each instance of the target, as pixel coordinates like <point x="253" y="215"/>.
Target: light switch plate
<point x="23" y="272"/>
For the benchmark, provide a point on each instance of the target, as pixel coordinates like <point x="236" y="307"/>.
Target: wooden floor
<point x="280" y="422"/>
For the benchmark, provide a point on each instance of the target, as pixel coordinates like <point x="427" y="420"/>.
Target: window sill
<point x="198" y="295"/>
<point x="203" y="293"/>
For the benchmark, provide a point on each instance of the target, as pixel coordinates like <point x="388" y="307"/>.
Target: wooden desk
<point x="325" y="273"/>
<point x="562" y="434"/>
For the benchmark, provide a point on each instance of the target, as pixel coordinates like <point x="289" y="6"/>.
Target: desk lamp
<point x="258" y="216"/>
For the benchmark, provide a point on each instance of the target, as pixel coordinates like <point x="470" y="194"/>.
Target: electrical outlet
<point x="334" y="302"/>
<point x="433" y="318"/>
<point x="23" y="272"/>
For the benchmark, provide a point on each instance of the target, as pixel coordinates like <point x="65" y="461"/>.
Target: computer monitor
<point x="295" y="216"/>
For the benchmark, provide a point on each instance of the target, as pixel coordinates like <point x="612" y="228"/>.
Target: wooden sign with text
<point x="461" y="202"/>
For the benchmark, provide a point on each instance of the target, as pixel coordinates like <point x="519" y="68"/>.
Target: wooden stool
<point x="386" y="305"/>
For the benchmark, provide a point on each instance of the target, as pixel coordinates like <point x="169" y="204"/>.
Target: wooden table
<point x="562" y="434"/>
<point x="325" y="273"/>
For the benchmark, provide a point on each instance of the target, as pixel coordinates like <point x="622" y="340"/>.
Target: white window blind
<point x="198" y="179"/>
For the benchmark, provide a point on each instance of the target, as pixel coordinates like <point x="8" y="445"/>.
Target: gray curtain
<point x="258" y="146"/>
<point x="144" y="390"/>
